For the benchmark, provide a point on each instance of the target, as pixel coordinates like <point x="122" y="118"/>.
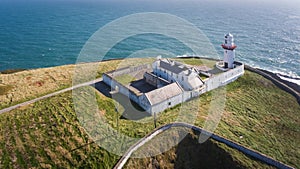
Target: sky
<point x="228" y="1"/>
<point x="242" y="2"/>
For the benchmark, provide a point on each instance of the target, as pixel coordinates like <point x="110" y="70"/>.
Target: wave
<point x="294" y="17"/>
<point x="267" y="39"/>
<point x="290" y="79"/>
<point x="291" y="76"/>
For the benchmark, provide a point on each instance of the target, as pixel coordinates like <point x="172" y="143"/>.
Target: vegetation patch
<point x="125" y="79"/>
<point x="4" y="89"/>
<point x="10" y="71"/>
<point x="196" y="61"/>
<point x="47" y="134"/>
<point x="203" y="77"/>
<point x="189" y="153"/>
<point x="30" y="84"/>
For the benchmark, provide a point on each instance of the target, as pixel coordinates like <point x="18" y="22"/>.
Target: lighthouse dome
<point x="229" y="41"/>
<point x="228" y="35"/>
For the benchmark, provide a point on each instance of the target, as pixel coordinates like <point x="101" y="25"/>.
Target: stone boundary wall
<point x="252" y="153"/>
<point x="121" y="88"/>
<point x="127" y="70"/>
<point x="154" y="80"/>
<point x="223" y="79"/>
<point x="278" y="82"/>
<point x="108" y="78"/>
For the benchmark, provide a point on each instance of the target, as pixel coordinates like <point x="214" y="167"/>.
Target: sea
<point x="46" y="33"/>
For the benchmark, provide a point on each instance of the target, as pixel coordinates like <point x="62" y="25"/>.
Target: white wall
<point x="144" y="103"/>
<point x="223" y="79"/>
<point x="158" y="108"/>
<point x="210" y="84"/>
<point x="172" y="77"/>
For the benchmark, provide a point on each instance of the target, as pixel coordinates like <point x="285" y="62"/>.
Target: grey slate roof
<point x="164" y="93"/>
<point x="176" y="68"/>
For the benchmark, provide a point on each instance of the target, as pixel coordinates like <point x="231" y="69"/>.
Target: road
<point x="49" y="95"/>
<point x="265" y="159"/>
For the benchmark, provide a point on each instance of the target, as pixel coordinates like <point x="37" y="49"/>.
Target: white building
<point x="174" y="82"/>
<point x="173" y="71"/>
<point x="162" y="98"/>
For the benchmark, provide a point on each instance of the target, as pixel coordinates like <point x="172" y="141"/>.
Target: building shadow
<point x="215" y="71"/>
<point x="132" y="111"/>
<point x="103" y="88"/>
<point x="209" y="155"/>
<point x="142" y="86"/>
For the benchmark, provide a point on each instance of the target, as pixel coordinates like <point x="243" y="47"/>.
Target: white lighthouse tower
<point x="229" y="51"/>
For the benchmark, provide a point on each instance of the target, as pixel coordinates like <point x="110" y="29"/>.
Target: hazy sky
<point x="295" y="4"/>
<point x="229" y="1"/>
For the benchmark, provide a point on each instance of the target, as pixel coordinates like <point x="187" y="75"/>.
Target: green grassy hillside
<point x="47" y="134"/>
<point x="190" y="154"/>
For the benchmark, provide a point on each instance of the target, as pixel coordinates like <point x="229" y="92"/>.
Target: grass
<point x="203" y="77"/>
<point x="30" y="84"/>
<point x="125" y="79"/>
<point x="266" y="117"/>
<point x="196" y="61"/>
<point x="189" y="153"/>
<point x="4" y="89"/>
<point x="257" y="115"/>
<point x="47" y="134"/>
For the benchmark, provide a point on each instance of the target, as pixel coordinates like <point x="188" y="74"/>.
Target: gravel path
<point x="49" y="95"/>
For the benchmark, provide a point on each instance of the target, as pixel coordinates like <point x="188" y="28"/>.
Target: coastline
<point x="287" y="86"/>
<point x="243" y="106"/>
<point x="290" y="87"/>
<point x="288" y="83"/>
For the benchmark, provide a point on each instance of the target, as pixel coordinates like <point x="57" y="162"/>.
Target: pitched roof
<point x="195" y="82"/>
<point x="161" y="94"/>
<point x="175" y="68"/>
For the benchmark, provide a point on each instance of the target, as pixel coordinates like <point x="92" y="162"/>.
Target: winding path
<point x="49" y="95"/>
<point x="126" y="156"/>
<point x="265" y="159"/>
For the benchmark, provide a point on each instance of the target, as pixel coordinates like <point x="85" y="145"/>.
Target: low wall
<point x="280" y="83"/>
<point x="223" y="79"/>
<point x="265" y="159"/>
<point x="121" y="88"/>
<point x="155" y="80"/>
<point x="251" y="153"/>
<point x="128" y="70"/>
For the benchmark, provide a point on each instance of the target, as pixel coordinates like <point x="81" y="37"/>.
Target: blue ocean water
<point x="36" y="34"/>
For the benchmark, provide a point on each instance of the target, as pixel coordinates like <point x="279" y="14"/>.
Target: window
<point x="182" y="78"/>
<point x="169" y="103"/>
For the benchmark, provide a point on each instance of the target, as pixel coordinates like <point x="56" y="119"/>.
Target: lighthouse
<point x="229" y="51"/>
